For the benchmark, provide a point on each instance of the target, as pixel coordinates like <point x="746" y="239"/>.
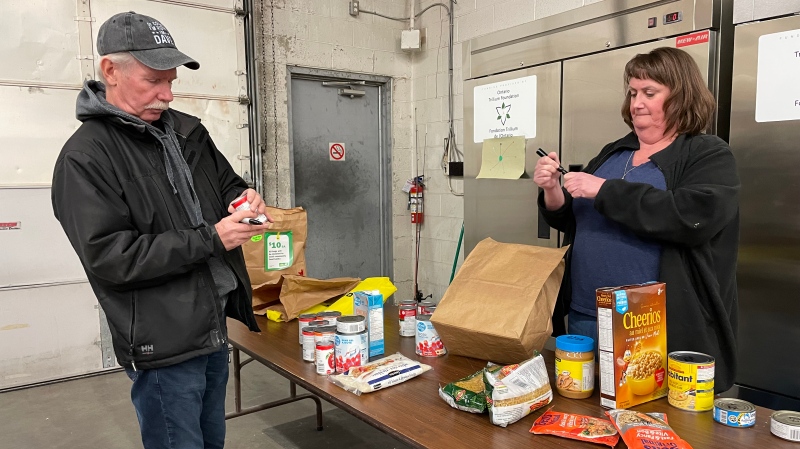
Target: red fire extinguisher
<point x="416" y="199"/>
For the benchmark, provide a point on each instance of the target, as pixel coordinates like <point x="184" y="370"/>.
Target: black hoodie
<point x="148" y="266"/>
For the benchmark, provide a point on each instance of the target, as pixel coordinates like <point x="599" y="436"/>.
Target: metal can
<point x="303" y="321"/>
<point x="408" y="318"/>
<point x="422" y="307"/>
<point x="785" y="424"/>
<point x="325" y="358"/>
<point x="308" y="343"/>
<point x="241" y="203"/>
<point x="734" y="412"/>
<point x="428" y="343"/>
<point x="351" y="324"/>
<point x="350" y="350"/>
<point x="324" y="333"/>
<point x="329" y="316"/>
<point x="691" y="381"/>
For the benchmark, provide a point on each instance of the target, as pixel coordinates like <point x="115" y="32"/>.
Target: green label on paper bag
<point x="256" y="238"/>
<point x="278" y="251"/>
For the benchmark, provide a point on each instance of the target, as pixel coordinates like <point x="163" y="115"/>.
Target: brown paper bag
<point x="500" y="304"/>
<point x="298" y="293"/>
<point x="294" y="220"/>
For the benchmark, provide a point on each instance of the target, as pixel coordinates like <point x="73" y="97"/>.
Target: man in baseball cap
<point x="144" y="197"/>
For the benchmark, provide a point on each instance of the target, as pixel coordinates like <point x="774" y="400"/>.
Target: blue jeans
<point x="182" y="406"/>
<point x="582" y="324"/>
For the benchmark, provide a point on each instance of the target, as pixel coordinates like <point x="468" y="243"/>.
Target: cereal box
<point x="632" y="342"/>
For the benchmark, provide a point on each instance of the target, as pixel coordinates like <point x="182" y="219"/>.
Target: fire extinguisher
<point x="416" y="200"/>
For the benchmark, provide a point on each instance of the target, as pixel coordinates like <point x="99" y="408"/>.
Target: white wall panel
<point x="40" y="41"/>
<point x="220" y="118"/>
<point x="38" y="252"/>
<point x="209" y="37"/>
<point x="47" y="333"/>
<point x="35" y="124"/>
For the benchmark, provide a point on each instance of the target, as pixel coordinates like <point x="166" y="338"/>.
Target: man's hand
<point x="582" y="185"/>
<point x="233" y="233"/>
<point x="256" y="204"/>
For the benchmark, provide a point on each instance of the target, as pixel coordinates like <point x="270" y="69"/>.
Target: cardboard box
<point x="500" y="304"/>
<point x="632" y="342"/>
<point x="369" y="304"/>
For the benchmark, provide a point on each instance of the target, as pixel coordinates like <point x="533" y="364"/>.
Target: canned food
<point x="318" y="322"/>
<point x="422" y="307"/>
<point x="350" y="324"/>
<point x="329" y="316"/>
<point x="785" y="424"/>
<point x="428" y="343"/>
<point x="303" y="322"/>
<point x="324" y="356"/>
<point x="691" y="381"/>
<point x="350" y="350"/>
<point x="734" y="412"/>
<point x="308" y="343"/>
<point x="408" y="318"/>
<point x="324" y="333"/>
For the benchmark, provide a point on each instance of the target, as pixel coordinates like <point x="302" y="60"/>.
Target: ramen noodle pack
<point x="467" y="394"/>
<point x="381" y="373"/>
<point x="646" y="430"/>
<point x="576" y="427"/>
<point x="632" y="343"/>
<point x="514" y="391"/>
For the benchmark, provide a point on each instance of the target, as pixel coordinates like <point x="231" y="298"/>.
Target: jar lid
<point x="575" y="343"/>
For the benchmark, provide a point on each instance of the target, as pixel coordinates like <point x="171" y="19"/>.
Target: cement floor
<point x="96" y="412"/>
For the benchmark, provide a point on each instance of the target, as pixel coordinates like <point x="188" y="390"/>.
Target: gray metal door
<point x="349" y="232"/>
<point x="593" y="95"/>
<point x="767" y="157"/>
<point x="504" y="209"/>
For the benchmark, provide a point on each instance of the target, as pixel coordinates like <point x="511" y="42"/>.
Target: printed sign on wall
<point x="505" y="109"/>
<point x="777" y="86"/>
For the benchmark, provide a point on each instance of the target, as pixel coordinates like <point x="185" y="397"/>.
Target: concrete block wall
<point x="322" y="34"/>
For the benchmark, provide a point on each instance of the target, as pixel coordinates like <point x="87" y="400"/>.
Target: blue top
<point x="606" y="253"/>
<point x="575" y="343"/>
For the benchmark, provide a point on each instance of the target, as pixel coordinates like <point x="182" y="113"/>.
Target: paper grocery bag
<point x="298" y="293"/>
<point x="500" y="304"/>
<point x="285" y="220"/>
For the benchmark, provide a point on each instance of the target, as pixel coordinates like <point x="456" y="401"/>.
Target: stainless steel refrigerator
<point x="765" y="138"/>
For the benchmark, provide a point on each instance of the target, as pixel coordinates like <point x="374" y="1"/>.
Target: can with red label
<point x="428" y="343"/>
<point x="241" y="203"/>
<point x="325" y="357"/>
<point x="308" y="343"/>
<point x="408" y="318"/>
<point x="324" y="333"/>
<point x="304" y="320"/>
<point x="422" y="307"/>
<point x="350" y="350"/>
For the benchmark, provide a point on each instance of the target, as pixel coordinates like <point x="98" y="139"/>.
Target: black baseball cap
<point x="145" y="38"/>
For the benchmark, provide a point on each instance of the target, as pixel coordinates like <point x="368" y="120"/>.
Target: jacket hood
<point x="92" y="103"/>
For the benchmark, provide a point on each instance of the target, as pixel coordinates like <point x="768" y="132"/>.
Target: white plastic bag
<point x="381" y="373"/>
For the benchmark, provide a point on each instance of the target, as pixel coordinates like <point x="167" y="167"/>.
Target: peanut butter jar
<point x="574" y="366"/>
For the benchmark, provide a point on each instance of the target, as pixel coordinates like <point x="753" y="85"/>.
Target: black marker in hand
<point x="541" y="153"/>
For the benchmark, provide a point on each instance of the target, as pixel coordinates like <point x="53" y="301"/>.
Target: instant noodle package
<point x="646" y="430"/>
<point x="576" y="427"/>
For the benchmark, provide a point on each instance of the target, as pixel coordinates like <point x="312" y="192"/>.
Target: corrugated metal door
<point x="348" y="230"/>
<point x="50" y="324"/>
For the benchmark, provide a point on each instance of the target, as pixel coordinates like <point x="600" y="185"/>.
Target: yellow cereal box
<point x="632" y="342"/>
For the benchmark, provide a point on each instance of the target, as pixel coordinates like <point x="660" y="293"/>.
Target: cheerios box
<point x="632" y="343"/>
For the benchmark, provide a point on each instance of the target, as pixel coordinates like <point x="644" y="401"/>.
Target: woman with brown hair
<point x="660" y="204"/>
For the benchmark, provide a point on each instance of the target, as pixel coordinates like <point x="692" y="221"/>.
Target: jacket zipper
<point x="132" y="333"/>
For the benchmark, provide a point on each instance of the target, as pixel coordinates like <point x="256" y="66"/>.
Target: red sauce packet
<point x="646" y="430"/>
<point x="576" y="427"/>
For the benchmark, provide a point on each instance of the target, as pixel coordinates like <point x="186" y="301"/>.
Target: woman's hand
<point x="582" y="185"/>
<point x="546" y="174"/>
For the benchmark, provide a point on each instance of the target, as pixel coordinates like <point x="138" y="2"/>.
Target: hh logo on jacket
<point x="146" y="349"/>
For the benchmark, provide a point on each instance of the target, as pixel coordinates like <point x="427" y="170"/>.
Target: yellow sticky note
<point x="503" y="158"/>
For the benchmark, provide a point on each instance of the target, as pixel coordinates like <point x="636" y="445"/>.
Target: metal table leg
<point x="237" y="391"/>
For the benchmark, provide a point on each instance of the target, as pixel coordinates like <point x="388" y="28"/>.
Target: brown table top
<point x="413" y="412"/>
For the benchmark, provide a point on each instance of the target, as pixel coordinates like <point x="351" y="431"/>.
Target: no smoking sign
<point x="336" y="151"/>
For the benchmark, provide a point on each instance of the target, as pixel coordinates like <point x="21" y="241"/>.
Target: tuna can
<point x="329" y="316"/>
<point x="324" y="333"/>
<point x="734" y="412"/>
<point x="350" y="349"/>
<point x="422" y="307"/>
<point x="408" y="318"/>
<point x="691" y="381"/>
<point x="785" y="424"/>
<point x="308" y="343"/>
<point x="304" y="320"/>
<point x="325" y="358"/>
<point x="351" y="324"/>
<point x="428" y="343"/>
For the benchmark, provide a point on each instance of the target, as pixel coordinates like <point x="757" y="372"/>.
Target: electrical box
<point x="410" y="40"/>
